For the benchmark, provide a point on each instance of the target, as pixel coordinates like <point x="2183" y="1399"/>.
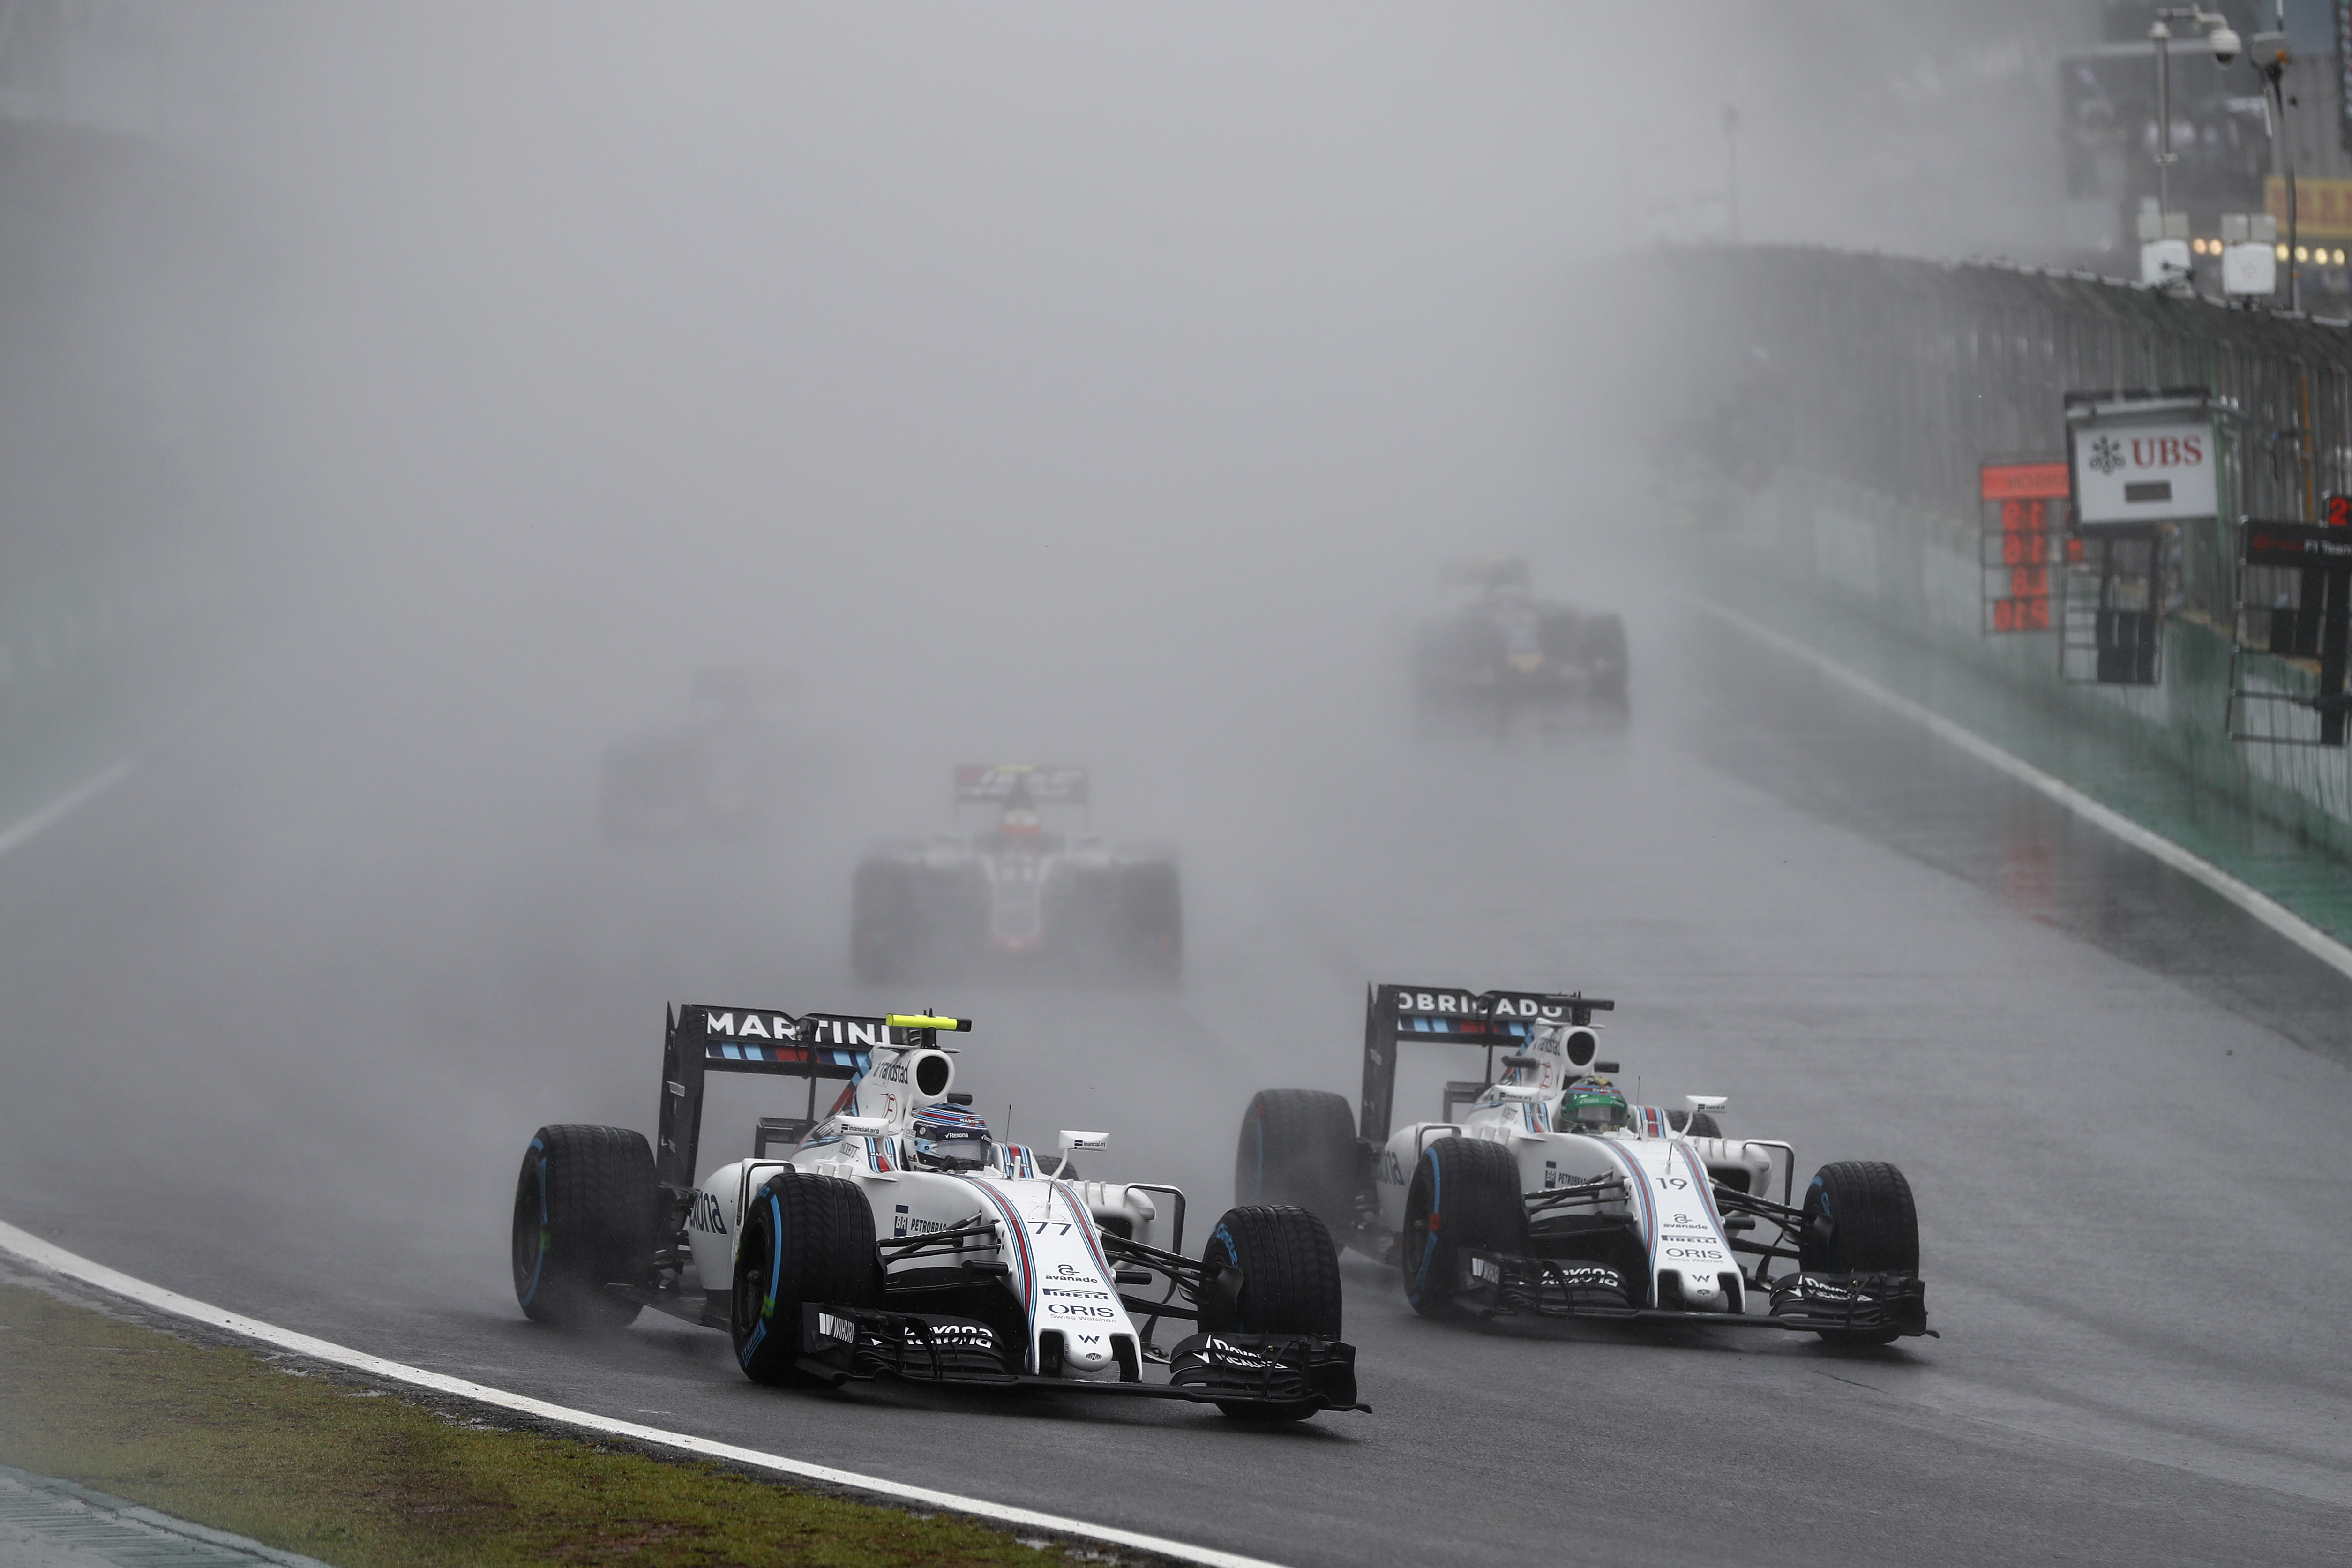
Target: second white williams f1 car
<point x="1543" y="1190"/>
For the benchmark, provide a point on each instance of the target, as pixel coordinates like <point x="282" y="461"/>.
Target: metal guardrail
<point x="1900" y="376"/>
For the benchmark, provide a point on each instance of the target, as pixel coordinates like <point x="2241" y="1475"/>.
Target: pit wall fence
<point x="1817" y="464"/>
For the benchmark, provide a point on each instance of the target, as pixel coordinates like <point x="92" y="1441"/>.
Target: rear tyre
<point x="1299" y="1147"/>
<point x="881" y="922"/>
<point x="583" y="1219"/>
<point x="805" y="1239"/>
<point x="1603" y="640"/>
<point x="1152" y="914"/>
<point x="1858" y="1218"/>
<point x="1290" y="1285"/>
<point x="1465" y="1197"/>
<point x="1702" y="1125"/>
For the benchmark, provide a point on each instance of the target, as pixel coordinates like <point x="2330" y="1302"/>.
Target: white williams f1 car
<point x="893" y="1237"/>
<point x="1547" y="1192"/>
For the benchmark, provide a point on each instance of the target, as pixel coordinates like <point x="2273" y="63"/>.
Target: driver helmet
<point x="950" y="1138"/>
<point x="1594" y="1105"/>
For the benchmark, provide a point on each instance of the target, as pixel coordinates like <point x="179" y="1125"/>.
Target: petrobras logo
<point x="903" y="1223"/>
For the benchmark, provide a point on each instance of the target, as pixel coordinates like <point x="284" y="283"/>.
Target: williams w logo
<point x="2106" y="454"/>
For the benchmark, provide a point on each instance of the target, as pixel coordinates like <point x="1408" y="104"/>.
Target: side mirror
<point x="863" y="1126"/>
<point x="1699" y="1102"/>
<point x="1606" y="1070"/>
<point x="1072" y="1142"/>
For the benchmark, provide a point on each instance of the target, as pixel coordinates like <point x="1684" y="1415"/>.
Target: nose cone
<point x="1703" y="1292"/>
<point x="1082" y="1357"/>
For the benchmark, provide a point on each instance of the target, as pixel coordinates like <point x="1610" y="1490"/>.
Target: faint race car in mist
<point x="892" y="1236"/>
<point x="1552" y="1195"/>
<point x="1502" y="651"/>
<point x="716" y="776"/>
<point x="1021" y="887"/>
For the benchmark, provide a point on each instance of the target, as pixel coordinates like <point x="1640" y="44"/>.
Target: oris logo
<point x="1077" y="1310"/>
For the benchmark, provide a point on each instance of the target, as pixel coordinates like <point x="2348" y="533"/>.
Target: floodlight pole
<point x="2160" y="37"/>
<point x="1731" y="155"/>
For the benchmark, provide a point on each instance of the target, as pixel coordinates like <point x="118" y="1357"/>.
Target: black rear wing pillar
<point x="1448" y="1015"/>
<point x="698" y="1040"/>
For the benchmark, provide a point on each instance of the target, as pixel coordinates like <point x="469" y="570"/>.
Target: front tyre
<point x="1465" y="1197"/>
<point x="583" y="1219"/>
<point x="1858" y="1218"/>
<point x="1289" y="1284"/>
<point x="805" y="1239"/>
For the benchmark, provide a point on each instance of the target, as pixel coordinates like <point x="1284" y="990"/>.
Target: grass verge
<point x="340" y="1471"/>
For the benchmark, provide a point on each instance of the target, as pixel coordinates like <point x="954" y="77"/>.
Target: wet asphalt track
<point x="240" y="1064"/>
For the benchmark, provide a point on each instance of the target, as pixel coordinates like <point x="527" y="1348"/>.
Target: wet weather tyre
<point x="1858" y="1218"/>
<point x="1602" y="638"/>
<point x="1702" y="1125"/>
<point x="804" y="1238"/>
<point x="1463" y="1197"/>
<point x="585" y="1213"/>
<point x="1299" y="1147"/>
<point x="1152" y="901"/>
<point x="881" y="921"/>
<point x="1290" y="1285"/>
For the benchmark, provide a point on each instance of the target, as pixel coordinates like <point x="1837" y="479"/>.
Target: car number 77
<point x="1041" y="1224"/>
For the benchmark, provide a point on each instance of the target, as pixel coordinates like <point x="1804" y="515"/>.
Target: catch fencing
<point x="1833" y="409"/>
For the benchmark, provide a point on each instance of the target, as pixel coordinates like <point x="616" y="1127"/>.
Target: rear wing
<point x="981" y="783"/>
<point x="1443" y="1015"/>
<point x="697" y="1040"/>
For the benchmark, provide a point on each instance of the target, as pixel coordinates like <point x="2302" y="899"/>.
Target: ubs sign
<point x="2142" y="459"/>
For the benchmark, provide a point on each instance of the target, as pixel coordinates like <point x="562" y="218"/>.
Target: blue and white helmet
<point x="950" y="1138"/>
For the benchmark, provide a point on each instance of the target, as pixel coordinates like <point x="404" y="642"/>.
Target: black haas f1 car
<point x="717" y="777"/>
<point x="1543" y="1191"/>
<point x="1031" y="888"/>
<point x="1503" y="651"/>
<point x="892" y="1236"/>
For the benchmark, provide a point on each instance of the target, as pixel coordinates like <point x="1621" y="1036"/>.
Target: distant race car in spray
<point x="1020" y="883"/>
<point x="892" y="1236"/>
<point x="1502" y="651"/>
<point x="716" y="776"/>
<point x="1548" y="1194"/>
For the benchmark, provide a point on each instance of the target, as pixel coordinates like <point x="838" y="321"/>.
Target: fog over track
<point x="1065" y="384"/>
<point x="311" y="1113"/>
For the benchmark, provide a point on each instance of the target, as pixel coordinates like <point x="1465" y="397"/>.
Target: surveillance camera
<point x="2223" y="41"/>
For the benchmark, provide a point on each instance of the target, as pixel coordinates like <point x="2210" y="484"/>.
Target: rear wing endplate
<point x="979" y="784"/>
<point x="697" y="1040"/>
<point x="1447" y="1015"/>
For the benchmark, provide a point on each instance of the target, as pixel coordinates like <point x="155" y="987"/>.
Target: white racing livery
<point x="892" y="1236"/>
<point x="1543" y="1190"/>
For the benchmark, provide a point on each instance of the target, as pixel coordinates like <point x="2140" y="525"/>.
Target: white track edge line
<point x="49" y="815"/>
<point x="54" y="1260"/>
<point x="2245" y="896"/>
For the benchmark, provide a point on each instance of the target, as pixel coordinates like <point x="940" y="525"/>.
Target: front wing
<point x="841" y="1344"/>
<point x="1502" y="1284"/>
